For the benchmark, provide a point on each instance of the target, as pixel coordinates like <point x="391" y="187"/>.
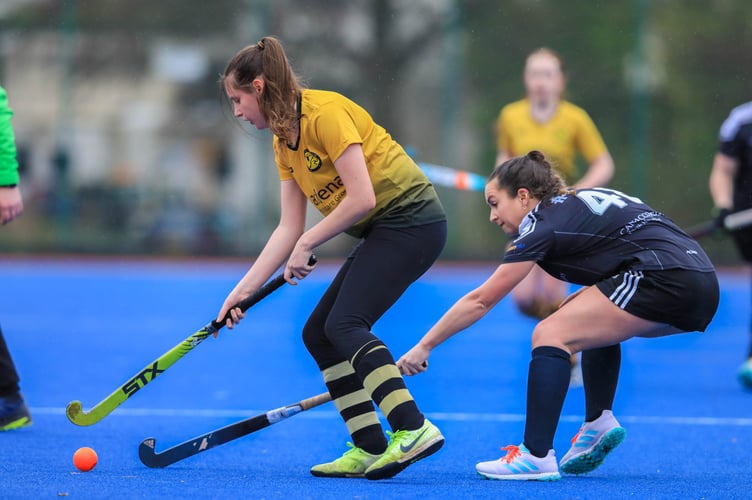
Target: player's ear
<point x="258" y="86"/>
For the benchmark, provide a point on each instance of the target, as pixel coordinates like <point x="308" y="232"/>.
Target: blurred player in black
<point x="731" y="189"/>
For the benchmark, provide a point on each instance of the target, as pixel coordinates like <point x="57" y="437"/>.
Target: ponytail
<point x="282" y="87"/>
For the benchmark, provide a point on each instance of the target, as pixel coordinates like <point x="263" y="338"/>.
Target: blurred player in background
<point x="642" y="276"/>
<point x="329" y="152"/>
<point x="731" y="190"/>
<point x="13" y="410"/>
<point x="545" y="121"/>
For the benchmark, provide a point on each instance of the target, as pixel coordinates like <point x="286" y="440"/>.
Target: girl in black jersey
<point x="642" y="277"/>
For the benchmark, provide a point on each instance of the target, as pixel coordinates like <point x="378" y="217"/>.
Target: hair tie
<point x="260" y="44"/>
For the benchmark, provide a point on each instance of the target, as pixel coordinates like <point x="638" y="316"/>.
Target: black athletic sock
<point x="382" y="379"/>
<point x="600" y="375"/>
<point x="547" y="384"/>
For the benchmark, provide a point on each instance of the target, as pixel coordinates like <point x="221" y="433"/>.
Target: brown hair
<point x="532" y="172"/>
<point x="282" y="86"/>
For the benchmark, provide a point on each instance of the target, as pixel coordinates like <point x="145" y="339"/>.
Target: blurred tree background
<point x="126" y="147"/>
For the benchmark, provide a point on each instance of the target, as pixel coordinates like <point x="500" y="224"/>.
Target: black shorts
<point x="685" y="299"/>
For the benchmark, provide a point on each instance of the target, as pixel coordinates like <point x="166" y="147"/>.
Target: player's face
<point x="544" y="80"/>
<point x="245" y="105"/>
<point x="507" y="211"/>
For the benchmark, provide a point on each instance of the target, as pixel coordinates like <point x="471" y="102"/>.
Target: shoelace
<point x="395" y="437"/>
<point x="352" y="449"/>
<point x="512" y="453"/>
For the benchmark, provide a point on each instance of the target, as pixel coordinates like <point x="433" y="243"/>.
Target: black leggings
<point x="374" y="276"/>
<point x="8" y="374"/>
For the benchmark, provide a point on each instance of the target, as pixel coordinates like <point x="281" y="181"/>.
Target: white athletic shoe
<point x="590" y="446"/>
<point x="520" y="464"/>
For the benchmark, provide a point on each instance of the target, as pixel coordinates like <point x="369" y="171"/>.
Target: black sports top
<point x="735" y="140"/>
<point x="596" y="233"/>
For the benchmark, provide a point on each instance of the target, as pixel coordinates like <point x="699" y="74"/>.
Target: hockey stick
<point x="463" y="180"/>
<point x="732" y="222"/>
<point x="151" y="458"/>
<point x="74" y="410"/>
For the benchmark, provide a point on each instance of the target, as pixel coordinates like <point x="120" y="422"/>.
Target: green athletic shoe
<point x="406" y="447"/>
<point x="353" y="463"/>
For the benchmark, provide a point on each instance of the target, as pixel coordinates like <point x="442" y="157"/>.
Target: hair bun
<point x="536" y="155"/>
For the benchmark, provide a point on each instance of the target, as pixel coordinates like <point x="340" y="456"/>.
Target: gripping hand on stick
<point x="232" y="311"/>
<point x="414" y="361"/>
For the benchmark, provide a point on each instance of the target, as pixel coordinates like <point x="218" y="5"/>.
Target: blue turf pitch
<point x="78" y="330"/>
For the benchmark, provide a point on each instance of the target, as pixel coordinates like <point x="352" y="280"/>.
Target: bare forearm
<point x="347" y="213"/>
<point x="721" y="181"/>
<point x="271" y="258"/>
<point x="464" y="313"/>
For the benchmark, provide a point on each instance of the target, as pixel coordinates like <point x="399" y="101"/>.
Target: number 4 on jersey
<point x="599" y="200"/>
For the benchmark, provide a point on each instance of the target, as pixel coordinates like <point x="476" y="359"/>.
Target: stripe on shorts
<point x="624" y="292"/>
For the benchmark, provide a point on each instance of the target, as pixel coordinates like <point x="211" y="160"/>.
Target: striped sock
<point x="383" y="381"/>
<point x="356" y="408"/>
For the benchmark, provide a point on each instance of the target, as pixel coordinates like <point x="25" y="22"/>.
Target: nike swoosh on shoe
<point x="405" y="449"/>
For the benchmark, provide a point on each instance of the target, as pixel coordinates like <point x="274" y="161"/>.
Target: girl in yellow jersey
<point x="544" y="121"/>
<point x="331" y="154"/>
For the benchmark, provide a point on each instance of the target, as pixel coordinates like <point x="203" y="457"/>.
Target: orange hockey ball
<point x="85" y="459"/>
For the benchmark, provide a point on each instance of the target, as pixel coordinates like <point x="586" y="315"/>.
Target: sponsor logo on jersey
<point x="639" y="221"/>
<point x="328" y="194"/>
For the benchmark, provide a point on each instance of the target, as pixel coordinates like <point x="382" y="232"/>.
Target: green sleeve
<point x="8" y="160"/>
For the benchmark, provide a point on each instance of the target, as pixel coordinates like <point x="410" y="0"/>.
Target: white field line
<point x="438" y="416"/>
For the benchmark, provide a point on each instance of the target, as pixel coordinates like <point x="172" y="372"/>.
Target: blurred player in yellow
<point x="543" y="120"/>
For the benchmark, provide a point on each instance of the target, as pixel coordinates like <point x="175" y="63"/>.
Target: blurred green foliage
<point x="658" y="78"/>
